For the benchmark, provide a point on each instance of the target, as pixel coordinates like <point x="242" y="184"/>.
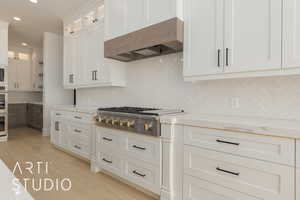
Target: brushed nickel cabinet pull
<point x="219" y="54"/>
<point x="139" y="174"/>
<point x="228" y="172"/>
<point x="226" y="142"/>
<point x="227" y="57"/>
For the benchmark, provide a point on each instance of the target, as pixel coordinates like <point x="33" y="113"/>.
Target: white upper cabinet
<point x="84" y="62"/>
<point x="125" y="16"/>
<point x="252" y="35"/>
<point x="291" y="33"/>
<point x="203" y="47"/>
<point x="19" y="75"/>
<point x="3" y="44"/>
<point x="136" y="15"/>
<point x="114" y="18"/>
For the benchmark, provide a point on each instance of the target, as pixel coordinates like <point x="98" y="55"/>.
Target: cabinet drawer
<point x="257" y="178"/>
<point x="279" y="150"/>
<point x="110" y="162"/>
<point x="108" y="139"/>
<point x="80" y="147"/>
<point x="194" y="188"/>
<point x="80" y="131"/>
<point x="81" y="117"/>
<point x="142" y="174"/>
<point x="143" y="147"/>
<point x="58" y="114"/>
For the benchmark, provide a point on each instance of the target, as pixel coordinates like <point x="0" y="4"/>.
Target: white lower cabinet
<point x="72" y="131"/>
<point x="200" y="189"/>
<point x="259" y="179"/>
<point x="212" y="164"/>
<point x="133" y="157"/>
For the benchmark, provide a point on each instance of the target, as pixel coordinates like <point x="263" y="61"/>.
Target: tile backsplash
<point x="158" y="82"/>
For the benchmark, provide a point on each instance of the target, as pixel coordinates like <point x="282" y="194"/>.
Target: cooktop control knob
<point x="147" y="127"/>
<point x="130" y="124"/>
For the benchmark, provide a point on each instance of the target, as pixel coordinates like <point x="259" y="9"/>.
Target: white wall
<point x="54" y="94"/>
<point x="158" y="82"/>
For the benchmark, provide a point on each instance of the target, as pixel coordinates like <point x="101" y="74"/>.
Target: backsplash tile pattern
<point x="158" y="82"/>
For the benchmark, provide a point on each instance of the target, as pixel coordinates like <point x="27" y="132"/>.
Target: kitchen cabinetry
<point x="35" y="116"/>
<point x="37" y="71"/>
<point x="234" y="39"/>
<point x="3" y="44"/>
<point x="211" y="163"/>
<point x="291" y="34"/>
<point x="127" y="16"/>
<point x="72" y="131"/>
<point x="19" y="75"/>
<point x="136" y="158"/>
<point x="84" y="62"/>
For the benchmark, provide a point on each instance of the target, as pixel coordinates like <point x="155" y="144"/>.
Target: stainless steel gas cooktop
<point x="134" y="119"/>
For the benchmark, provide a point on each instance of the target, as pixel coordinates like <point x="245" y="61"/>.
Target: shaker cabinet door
<point x="291" y="33"/>
<point x="252" y="35"/>
<point x="203" y="47"/>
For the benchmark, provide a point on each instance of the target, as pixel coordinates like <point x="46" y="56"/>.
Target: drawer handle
<point x="225" y="142"/>
<point x="228" y="172"/>
<point x="139" y="174"/>
<point x="107" y="139"/>
<point x="58" y="114"/>
<point x="140" y="148"/>
<point x="108" y="161"/>
<point x="77" y="147"/>
<point x="77" y="131"/>
<point x="76" y="117"/>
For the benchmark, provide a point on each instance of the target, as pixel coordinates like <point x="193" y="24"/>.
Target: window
<point x="11" y="54"/>
<point x="23" y="56"/>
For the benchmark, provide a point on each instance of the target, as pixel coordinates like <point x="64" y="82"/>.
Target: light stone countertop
<point x="80" y="109"/>
<point x="30" y="102"/>
<point x="10" y="189"/>
<point x="256" y="125"/>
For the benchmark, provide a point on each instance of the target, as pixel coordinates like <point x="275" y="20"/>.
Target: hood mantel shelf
<point x="155" y="40"/>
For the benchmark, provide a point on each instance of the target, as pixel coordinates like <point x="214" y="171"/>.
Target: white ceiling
<point x="36" y="18"/>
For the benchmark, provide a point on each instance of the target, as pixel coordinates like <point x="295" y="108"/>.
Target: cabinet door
<point x="253" y="35"/>
<point x="114" y="18"/>
<point x="203" y="37"/>
<point x="94" y="53"/>
<point x="24" y="75"/>
<point x="136" y="15"/>
<point x="12" y="74"/>
<point x="70" y="45"/>
<point x="160" y="11"/>
<point x="291" y="31"/>
<point x="3" y="46"/>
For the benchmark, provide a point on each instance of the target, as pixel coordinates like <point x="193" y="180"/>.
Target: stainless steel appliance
<point x="139" y="120"/>
<point x="3" y="99"/>
<point x="3" y="127"/>
<point x="2" y="75"/>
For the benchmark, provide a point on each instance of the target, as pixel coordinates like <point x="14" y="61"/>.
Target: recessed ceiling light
<point x="24" y="44"/>
<point x="17" y="18"/>
<point x="33" y="1"/>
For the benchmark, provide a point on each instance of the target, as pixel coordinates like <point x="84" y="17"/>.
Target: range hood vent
<point x="156" y="40"/>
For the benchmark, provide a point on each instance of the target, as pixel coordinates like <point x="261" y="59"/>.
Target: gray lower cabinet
<point x="25" y="114"/>
<point x="35" y="116"/>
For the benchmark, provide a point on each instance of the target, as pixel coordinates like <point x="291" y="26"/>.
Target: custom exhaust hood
<point x="155" y="40"/>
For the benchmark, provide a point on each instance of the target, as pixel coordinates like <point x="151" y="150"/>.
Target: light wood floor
<point x="28" y="145"/>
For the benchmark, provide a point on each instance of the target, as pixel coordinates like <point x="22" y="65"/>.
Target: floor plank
<point x="26" y="144"/>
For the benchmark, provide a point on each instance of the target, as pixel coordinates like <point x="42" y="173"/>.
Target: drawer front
<point x="80" y="147"/>
<point x="108" y="139"/>
<point x="142" y="174"/>
<point x="298" y="153"/>
<point x="279" y="150"/>
<point x="110" y="162"/>
<point x="81" y="117"/>
<point x="257" y="178"/>
<point x="80" y="131"/>
<point x="145" y="148"/>
<point x="199" y="189"/>
<point x="59" y="114"/>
